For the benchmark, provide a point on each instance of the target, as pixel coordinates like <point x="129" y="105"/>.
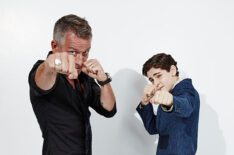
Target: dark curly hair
<point x="162" y="61"/>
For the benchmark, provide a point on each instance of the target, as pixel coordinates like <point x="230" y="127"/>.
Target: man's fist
<point x="62" y="63"/>
<point x="94" y="69"/>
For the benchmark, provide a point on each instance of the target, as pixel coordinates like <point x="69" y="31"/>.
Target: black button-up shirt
<point x="63" y="113"/>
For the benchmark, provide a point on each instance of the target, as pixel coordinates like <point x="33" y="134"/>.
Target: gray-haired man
<point x="62" y="88"/>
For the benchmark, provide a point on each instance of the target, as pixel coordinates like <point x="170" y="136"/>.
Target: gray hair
<point x="72" y="23"/>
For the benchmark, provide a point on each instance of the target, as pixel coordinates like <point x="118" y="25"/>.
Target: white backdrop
<point x="199" y="34"/>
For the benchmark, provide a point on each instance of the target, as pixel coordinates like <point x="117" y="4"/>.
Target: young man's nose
<point x="157" y="84"/>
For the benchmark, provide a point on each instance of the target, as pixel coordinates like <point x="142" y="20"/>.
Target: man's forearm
<point x="107" y="97"/>
<point x="45" y="79"/>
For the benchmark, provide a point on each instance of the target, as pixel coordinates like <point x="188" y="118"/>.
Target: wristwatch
<point x="109" y="79"/>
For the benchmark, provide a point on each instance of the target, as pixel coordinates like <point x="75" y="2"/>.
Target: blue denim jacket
<point x="177" y="129"/>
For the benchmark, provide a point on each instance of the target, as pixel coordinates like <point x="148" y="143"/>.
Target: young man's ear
<point x="173" y="70"/>
<point x="54" y="46"/>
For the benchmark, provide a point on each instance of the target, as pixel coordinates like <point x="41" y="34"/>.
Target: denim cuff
<point x="165" y="108"/>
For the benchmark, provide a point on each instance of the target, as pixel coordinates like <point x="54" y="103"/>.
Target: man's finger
<point x="65" y="65"/>
<point x="58" y="67"/>
<point x="90" y="61"/>
<point x="71" y="64"/>
<point x="50" y="62"/>
<point x="73" y="75"/>
<point x="72" y="69"/>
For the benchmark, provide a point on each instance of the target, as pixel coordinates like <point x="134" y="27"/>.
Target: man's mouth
<point x="78" y="67"/>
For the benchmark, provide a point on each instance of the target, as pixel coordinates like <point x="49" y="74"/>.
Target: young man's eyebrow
<point x="156" y="73"/>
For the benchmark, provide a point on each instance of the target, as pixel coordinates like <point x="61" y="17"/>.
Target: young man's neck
<point x="175" y="81"/>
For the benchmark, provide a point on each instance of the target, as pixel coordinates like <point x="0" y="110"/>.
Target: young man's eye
<point x="158" y="76"/>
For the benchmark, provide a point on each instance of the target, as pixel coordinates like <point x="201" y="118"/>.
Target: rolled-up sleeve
<point x="34" y="89"/>
<point x="96" y="102"/>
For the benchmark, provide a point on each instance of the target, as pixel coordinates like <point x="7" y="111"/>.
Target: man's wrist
<point x="107" y="80"/>
<point x="103" y="77"/>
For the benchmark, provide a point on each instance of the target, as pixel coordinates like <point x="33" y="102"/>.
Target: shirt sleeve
<point x="34" y="89"/>
<point x="148" y="118"/>
<point x="96" y="102"/>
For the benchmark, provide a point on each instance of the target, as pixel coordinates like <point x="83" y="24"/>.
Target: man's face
<point x="162" y="79"/>
<point x="74" y="45"/>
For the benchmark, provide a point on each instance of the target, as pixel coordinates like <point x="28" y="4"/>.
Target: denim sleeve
<point x="183" y="104"/>
<point x="148" y="118"/>
<point x="96" y="102"/>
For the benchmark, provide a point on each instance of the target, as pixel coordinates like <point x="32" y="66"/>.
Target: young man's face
<point x="162" y="79"/>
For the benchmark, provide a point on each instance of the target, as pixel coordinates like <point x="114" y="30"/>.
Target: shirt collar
<point x="178" y="81"/>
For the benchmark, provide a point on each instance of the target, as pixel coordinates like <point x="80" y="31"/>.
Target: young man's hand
<point x="148" y="93"/>
<point x="162" y="97"/>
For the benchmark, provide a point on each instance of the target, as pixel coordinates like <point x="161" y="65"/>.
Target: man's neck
<point x="71" y="81"/>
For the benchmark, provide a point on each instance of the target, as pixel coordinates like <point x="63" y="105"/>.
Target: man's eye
<point x="158" y="76"/>
<point x="73" y="52"/>
<point x="86" y="53"/>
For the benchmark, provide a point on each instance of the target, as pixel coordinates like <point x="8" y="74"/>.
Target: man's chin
<point x="78" y="71"/>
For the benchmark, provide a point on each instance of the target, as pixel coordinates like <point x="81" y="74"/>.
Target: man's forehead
<point x="73" y="35"/>
<point x="79" y="49"/>
<point x="78" y="43"/>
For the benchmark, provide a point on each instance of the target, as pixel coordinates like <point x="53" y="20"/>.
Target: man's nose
<point x="79" y="59"/>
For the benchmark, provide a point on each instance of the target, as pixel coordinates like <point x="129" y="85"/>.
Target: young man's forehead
<point x="152" y="71"/>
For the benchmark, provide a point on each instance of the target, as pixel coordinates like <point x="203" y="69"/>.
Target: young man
<point x="177" y="116"/>
<point x="62" y="88"/>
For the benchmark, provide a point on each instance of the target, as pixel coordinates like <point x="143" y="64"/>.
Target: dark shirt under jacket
<point x="63" y="114"/>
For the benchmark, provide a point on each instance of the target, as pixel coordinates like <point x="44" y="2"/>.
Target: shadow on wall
<point x="123" y="134"/>
<point x="210" y="137"/>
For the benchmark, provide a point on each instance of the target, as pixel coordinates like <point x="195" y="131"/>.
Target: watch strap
<point x="108" y="80"/>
